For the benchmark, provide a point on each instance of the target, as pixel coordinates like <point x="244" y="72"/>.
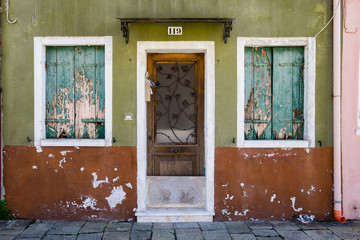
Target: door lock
<point x="175" y="150"/>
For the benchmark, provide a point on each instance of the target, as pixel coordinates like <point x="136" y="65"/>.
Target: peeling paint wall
<point x="273" y="184"/>
<point x="350" y="115"/>
<point x="100" y="183"/>
<point x="71" y="183"/>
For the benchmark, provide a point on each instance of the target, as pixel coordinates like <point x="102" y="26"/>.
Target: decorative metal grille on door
<point x="175" y="103"/>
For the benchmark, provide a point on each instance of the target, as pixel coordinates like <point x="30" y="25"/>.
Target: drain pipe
<point x="337" y="109"/>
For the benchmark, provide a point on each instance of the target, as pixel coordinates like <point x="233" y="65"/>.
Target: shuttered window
<point x="75" y="92"/>
<point x="274" y="93"/>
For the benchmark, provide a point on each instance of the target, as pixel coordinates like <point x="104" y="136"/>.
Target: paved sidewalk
<point x="109" y="230"/>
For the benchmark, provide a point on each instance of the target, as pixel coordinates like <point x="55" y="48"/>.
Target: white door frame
<point x="208" y="48"/>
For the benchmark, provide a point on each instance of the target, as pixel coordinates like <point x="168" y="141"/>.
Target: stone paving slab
<point x="264" y="233"/>
<point x="93" y="227"/>
<point x="116" y="235"/>
<point x="140" y="235"/>
<point x="163" y="226"/>
<point x="141" y="227"/>
<point x="284" y="226"/>
<point x="237" y="227"/>
<point x="271" y="238"/>
<point x="116" y="226"/>
<point x="216" y="235"/>
<point x="59" y="237"/>
<point x="243" y="237"/>
<point x="6" y="237"/>
<point x="18" y="224"/>
<point x="212" y="226"/>
<point x="188" y="234"/>
<point x="90" y="236"/>
<point x="166" y="234"/>
<point x="294" y="235"/>
<point x="3" y="224"/>
<point x="66" y="227"/>
<point x="312" y="226"/>
<point x="10" y="232"/>
<point x="192" y="225"/>
<point x="259" y="225"/>
<point x="321" y="234"/>
<point x="36" y="230"/>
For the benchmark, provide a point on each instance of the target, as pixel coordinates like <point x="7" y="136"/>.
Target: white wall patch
<point x="273" y="197"/>
<point x="64" y="152"/>
<point x="293" y="199"/>
<point x="38" y="149"/>
<point x="96" y="182"/>
<point x="61" y="162"/>
<point x="116" y="197"/>
<point x="91" y="203"/>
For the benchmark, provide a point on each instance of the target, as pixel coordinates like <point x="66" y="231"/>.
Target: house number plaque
<point x="174" y="30"/>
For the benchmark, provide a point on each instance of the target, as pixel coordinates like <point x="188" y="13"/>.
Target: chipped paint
<point x="38" y="149"/>
<point x="224" y="185"/>
<point x="129" y="185"/>
<point x="116" y="197"/>
<point x="64" y="152"/>
<point x="243" y="213"/>
<point x="307" y="150"/>
<point x="97" y="182"/>
<point x="242" y="184"/>
<point x="63" y="160"/>
<point x="293" y="199"/>
<point x="51" y="155"/>
<point x="116" y="179"/>
<point x="82" y="169"/>
<point x="115" y="169"/>
<point x="273" y="197"/>
<point x="34" y="167"/>
<point x="90" y="202"/>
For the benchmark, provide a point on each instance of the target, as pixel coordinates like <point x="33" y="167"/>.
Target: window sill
<point x="275" y="144"/>
<point x="74" y="142"/>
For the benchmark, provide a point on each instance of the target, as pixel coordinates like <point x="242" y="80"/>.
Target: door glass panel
<point x="175" y="103"/>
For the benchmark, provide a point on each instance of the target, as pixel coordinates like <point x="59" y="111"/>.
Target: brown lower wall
<point x="272" y="183"/>
<point x="100" y="183"/>
<point x="70" y="183"/>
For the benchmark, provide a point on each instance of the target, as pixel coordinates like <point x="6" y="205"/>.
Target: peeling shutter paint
<point x="274" y="93"/>
<point x="75" y="92"/>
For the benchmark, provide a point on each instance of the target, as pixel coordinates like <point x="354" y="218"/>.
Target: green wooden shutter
<point x="288" y="93"/>
<point x="258" y="86"/>
<point x="75" y="92"/>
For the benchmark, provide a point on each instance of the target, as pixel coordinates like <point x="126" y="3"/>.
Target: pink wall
<point x="350" y="95"/>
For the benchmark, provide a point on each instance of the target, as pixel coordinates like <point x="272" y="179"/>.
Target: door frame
<point x="208" y="48"/>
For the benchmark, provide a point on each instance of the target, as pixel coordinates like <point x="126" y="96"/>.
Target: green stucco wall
<point x="253" y="18"/>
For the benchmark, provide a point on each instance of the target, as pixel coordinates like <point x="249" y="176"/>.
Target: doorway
<point x="175" y="145"/>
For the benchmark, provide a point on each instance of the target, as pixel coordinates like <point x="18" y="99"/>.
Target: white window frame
<point x="309" y="45"/>
<point x="40" y="44"/>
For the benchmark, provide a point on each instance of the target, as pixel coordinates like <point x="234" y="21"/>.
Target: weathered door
<point x="176" y="115"/>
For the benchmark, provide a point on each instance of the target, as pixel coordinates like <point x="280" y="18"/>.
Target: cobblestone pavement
<point x="109" y="230"/>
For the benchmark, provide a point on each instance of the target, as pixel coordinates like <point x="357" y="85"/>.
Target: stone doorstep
<point x="175" y="215"/>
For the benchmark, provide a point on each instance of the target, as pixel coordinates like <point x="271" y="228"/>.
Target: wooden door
<point x="175" y="115"/>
